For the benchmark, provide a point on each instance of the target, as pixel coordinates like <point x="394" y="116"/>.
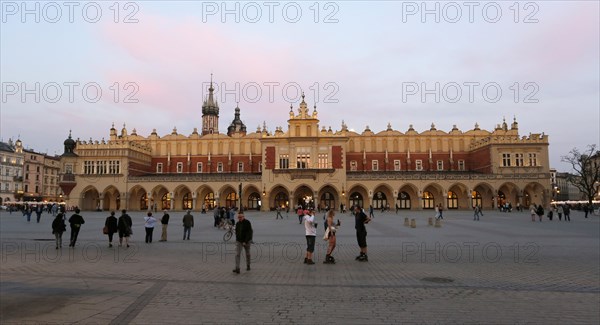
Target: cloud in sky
<point x="359" y="66"/>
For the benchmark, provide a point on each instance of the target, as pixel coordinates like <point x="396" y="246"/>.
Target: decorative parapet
<point x="114" y="144"/>
<point x="535" y="138"/>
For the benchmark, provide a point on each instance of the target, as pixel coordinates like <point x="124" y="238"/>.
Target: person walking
<point x="38" y="212"/>
<point x="124" y="225"/>
<point x="243" y="239"/>
<point x="111" y="227"/>
<point x="188" y="224"/>
<point x="567" y="210"/>
<point x="278" y="215"/>
<point x="75" y="221"/>
<point x="560" y="211"/>
<point x="149" y="224"/>
<point x="310" y="227"/>
<point x="540" y="212"/>
<point x="331" y="232"/>
<point x="58" y="227"/>
<point x="371" y="212"/>
<point x="361" y="220"/>
<point x="216" y="216"/>
<point x="533" y="212"/>
<point x="477" y="212"/>
<point x="165" y="223"/>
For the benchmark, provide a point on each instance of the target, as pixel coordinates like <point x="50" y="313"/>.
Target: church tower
<point x="210" y="113"/>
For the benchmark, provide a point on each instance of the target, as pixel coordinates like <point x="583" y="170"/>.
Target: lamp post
<point x="240" y="194"/>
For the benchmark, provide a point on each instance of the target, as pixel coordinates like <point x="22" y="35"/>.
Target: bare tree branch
<point x="586" y="167"/>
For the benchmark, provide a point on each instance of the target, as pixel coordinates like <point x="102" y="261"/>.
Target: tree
<point x="587" y="170"/>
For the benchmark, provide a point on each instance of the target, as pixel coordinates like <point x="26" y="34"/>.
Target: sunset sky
<point x="366" y="63"/>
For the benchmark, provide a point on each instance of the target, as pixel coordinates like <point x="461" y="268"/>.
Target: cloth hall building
<point x="305" y="164"/>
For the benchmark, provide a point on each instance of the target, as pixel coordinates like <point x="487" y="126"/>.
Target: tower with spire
<point x="210" y="112"/>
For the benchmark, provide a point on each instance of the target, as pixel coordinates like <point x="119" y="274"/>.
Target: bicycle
<point x="229" y="229"/>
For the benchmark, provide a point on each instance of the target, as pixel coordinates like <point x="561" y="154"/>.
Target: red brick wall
<point x="337" y="157"/>
<point x="270" y="158"/>
<point x="480" y="160"/>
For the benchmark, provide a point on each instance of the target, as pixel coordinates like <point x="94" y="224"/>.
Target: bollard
<point x="405" y="222"/>
<point x="438" y="223"/>
<point x="430" y="221"/>
<point x="413" y="223"/>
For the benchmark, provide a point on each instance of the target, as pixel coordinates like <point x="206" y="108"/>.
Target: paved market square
<point x="503" y="269"/>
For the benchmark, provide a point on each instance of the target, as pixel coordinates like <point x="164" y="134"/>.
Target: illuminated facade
<point x="11" y="171"/>
<point x="306" y="164"/>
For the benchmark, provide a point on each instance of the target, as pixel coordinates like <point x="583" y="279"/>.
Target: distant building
<point x="562" y="189"/>
<point x="40" y="177"/>
<point x="11" y="171"/>
<point x="306" y="163"/>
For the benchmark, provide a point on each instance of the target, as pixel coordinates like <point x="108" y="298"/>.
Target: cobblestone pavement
<point x="503" y="269"/>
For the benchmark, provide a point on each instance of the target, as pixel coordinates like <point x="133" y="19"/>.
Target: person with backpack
<point x="75" y="221"/>
<point x="540" y="212"/>
<point x="111" y="227"/>
<point x="124" y="226"/>
<point x="58" y="227"/>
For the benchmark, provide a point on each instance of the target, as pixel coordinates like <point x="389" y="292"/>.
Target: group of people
<point x="310" y="226"/>
<point x="123" y="225"/>
<point x="223" y="214"/>
<point x="560" y="210"/>
<point x="59" y="227"/>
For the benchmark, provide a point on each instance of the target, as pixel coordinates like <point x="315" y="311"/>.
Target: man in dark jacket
<point x="76" y="221"/>
<point x="243" y="238"/>
<point x="188" y="224"/>
<point x="361" y="232"/>
<point x="165" y="223"/>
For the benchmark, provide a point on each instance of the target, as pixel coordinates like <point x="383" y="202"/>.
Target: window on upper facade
<point x="6" y="187"/>
<point x="114" y="167"/>
<point x="353" y="165"/>
<point x="101" y="168"/>
<point x="323" y="160"/>
<point x="418" y="164"/>
<point x="440" y="165"/>
<point x="461" y="165"/>
<point x="506" y="160"/>
<point x="240" y="167"/>
<point x="199" y="167"/>
<point x="284" y="161"/>
<point x="374" y="165"/>
<point x="179" y="167"/>
<point x="159" y="168"/>
<point x="219" y="167"/>
<point x="397" y="165"/>
<point x="303" y="158"/>
<point x="519" y="160"/>
<point x="260" y="167"/>
<point x="88" y="167"/>
<point x="533" y="159"/>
